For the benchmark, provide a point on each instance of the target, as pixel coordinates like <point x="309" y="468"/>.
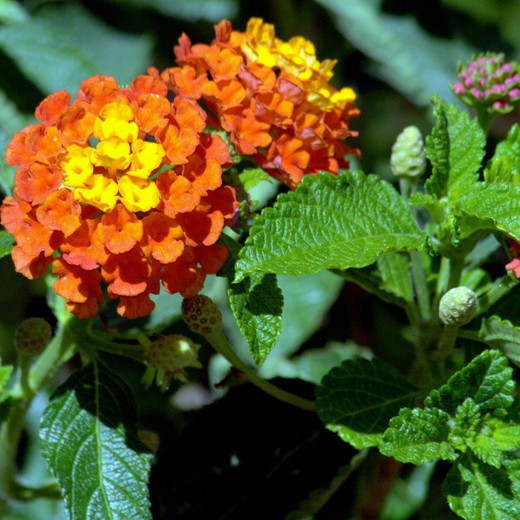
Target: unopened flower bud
<point x="408" y="159"/>
<point x="489" y="83"/>
<point x="168" y="357"/>
<point x="457" y="306"/>
<point x="201" y="314"/>
<point x="32" y="336"/>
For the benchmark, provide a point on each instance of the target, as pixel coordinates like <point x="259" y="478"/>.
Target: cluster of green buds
<point x="408" y="159"/>
<point x="32" y="336"/>
<point x="489" y="83"/>
<point x="168" y="357"/>
<point x="457" y="307"/>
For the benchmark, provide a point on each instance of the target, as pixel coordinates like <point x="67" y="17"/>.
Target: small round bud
<point x="201" y="314"/>
<point x="168" y="357"/>
<point x="457" y="306"/>
<point x="408" y="159"/>
<point x="32" y="336"/>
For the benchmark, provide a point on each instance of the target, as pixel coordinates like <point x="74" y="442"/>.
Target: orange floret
<point x="111" y="189"/>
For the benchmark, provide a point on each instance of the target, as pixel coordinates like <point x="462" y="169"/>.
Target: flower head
<point x="273" y="97"/>
<point x="122" y="189"/>
<point x="489" y="83"/>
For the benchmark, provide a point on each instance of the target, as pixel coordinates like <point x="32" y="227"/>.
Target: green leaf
<point x="491" y="206"/>
<point x="6" y="243"/>
<point x="72" y="45"/>
<point x="118" y="54"/>
<point x="329" y="222"/>
<point x="409" y="493"/>
<point x="358" y="398"/>
<point x="487" y="379"/>
<point x="416" y="70"/>
<point x="210" y="10"/>
<point x="395" y="274"/>
<point x="455" y="148"/>
<point x="88" y="440"/>
<point x="503" y="335"/>
<point x="476" y="490"/>
<point x="418" y="436"/>
<point x="257" y="304"/>
<point x="12" y="12"/>
<point x="5" y="398"/>
<point x="505" y="163"/>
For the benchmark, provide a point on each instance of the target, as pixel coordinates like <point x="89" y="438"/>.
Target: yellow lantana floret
<point x="77" y="165"/>
<point x="138" y="194"/>
<point x="146" y="157"/>
<point x="100" y="192"/>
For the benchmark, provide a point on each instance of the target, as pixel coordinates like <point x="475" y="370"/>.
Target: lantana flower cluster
<point x="120" y="188"/>
<point x="490" y="83"/>
<point x="273" y="97"/>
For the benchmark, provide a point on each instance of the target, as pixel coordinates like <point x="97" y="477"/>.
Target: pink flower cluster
<point x="489" y="82"/>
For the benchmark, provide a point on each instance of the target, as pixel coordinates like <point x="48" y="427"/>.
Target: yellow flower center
<point x="118" y="167"/>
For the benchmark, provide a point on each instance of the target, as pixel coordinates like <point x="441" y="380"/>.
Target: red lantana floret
<point x="273" y="97"/>
<point x="119" y="189"/>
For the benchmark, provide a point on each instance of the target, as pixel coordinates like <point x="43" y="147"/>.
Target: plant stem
<point x="420" y="285"/>
<point x="58" y="350"/>
<point x="220" y="343"/>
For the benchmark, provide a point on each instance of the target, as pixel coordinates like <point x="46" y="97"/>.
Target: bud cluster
<point x="489" y="82"/>
<point x="408" y="159"/>
<point x="457" y="306"/>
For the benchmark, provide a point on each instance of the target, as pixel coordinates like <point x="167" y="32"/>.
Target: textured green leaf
<point x="329" y="222"/>
<point x="358" y="398"/>
<point x="491" y="206"/>
<point x="88" y="440"/>
<point x="257" y="304"/>
<point x="416" y="70"/>
<point x="487" y="379"/>
<point x="505" y="163"/>
<point x="395" y="274"/>
<point x="6" y="243"/>
<point x="476" y="490"/>
<point x="419" y="435"/>
<point x="501" y="334"/>
<point x="455" y="148"/>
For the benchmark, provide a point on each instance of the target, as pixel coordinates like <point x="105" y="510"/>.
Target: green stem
<point x="420" y="285"/>
<point x="219" y="342"/>
<point x="58" y="350"/>
<point x="27" y="493"/>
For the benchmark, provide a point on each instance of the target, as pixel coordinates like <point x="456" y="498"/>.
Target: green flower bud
<point x="32" y="336"/>
<point x="457" y="306"/>
<point x="408" y="159"/>
<point x="201" y="314"/>
<point x="168" y="357"/>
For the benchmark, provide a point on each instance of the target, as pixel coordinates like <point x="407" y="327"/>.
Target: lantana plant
<point x="125" y="196"/>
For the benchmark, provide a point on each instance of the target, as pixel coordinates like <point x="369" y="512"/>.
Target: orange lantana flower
<point x="119" y="191"/>
<point x="273" y="97"/>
